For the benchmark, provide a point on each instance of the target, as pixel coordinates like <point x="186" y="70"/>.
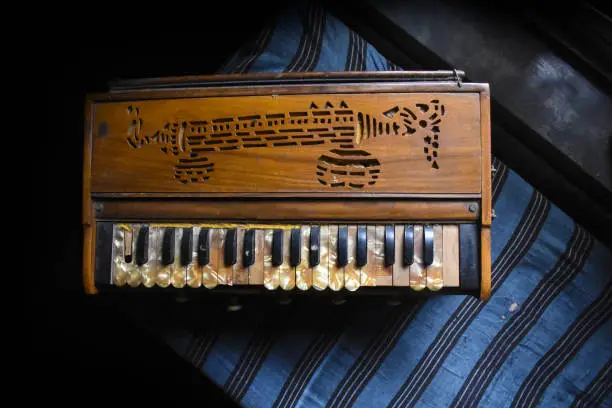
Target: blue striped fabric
<point x="543" y="339"/>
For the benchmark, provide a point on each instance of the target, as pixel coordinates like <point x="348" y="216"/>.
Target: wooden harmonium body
<point x="323" y="183"/>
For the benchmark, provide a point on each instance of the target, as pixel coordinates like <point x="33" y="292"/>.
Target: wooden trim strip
<point x="299" y="89"/>
<point x="277" y="194"/>
<point x="485" y="133"/>
<point x="485" y="263"/>
<point x="281" y="78"/>
<point x="288" y="211"/>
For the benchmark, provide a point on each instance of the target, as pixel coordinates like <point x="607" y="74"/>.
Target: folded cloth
<point x="544" y="338"/>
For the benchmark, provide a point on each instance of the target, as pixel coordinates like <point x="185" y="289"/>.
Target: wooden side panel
<point x="485" y="131"/>
<point x="89" y="233"/>
<point x="424" y="143"/>
<point x="89" y="224"/>
<point x="485" y="263"/>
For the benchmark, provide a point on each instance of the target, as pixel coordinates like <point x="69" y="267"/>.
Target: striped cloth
<point x="543" y="339"/>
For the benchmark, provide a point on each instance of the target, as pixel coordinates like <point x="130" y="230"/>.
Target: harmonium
<point x="329" y="183"/>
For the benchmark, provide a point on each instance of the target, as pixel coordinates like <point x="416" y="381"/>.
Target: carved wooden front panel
<point x="380" y="143"/>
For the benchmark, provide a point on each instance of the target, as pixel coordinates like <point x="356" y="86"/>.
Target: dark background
<point x="83" y="342"/>
<point x="84" y="345"/>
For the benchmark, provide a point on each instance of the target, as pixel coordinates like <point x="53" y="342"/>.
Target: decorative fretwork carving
<point x="350" y="168"/>
<point x="345" y="165"/>
<point x="427" y="118"/>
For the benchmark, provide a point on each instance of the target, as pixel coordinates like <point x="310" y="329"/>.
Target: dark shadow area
<point x="88" y="348"/>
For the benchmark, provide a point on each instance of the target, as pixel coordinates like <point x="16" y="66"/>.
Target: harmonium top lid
<point x="422" y="133"/>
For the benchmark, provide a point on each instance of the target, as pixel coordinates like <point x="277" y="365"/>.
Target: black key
<point x="142" y="246"/>
<point x="342" y="249"/>
<point x="295" y="251"/>
<point x="314" y="252"/>
<point x="204" y="247"/>
<point x="187" y="246"/>
<point x="248" y="255"/>
<point x="103" y="253"/>
<point x="469" y="259"/>
<point x="168" y="247"/>
<point x="230" y="247"/>
<point x="277" y="247"/>
<point x="408" y="245"/>
<point x="389" y="245"/>
<point x="362" y="246"/>
<point x="428" y="245"/>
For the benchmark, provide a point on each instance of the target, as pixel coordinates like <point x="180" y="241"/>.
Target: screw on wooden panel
<point x="472" y="208"/>
<point x="98" y="208"/>
<point x="103" y="129"/>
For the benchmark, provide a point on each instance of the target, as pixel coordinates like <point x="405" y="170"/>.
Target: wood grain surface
<point x="379" y="143"/>
<point x="287" y="211"/>
<point x="485" y="263"/>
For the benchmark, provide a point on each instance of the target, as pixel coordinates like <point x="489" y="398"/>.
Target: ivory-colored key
<point x="303" y="272"/>
<point x="122" y="242"/>
<point x="418" y="276"/>
<point x="210" y="277"/>
<point x="352" y="273"/>
<point x="241" y="274"/>
<point x="271" y="278"/>
<point x="435" y="278"/>
<point x="401" y="272"/>
<point x="193" y="270"/>
<point x="226" y="272"/>
<point x="368" y="272"/>
<point x="286" y="274"/>
<point x="150" y="269"/>
<point x="134" y="278"/>
<point x="320" y="274"/>
<point x="384" y="274"/>
<point x="336" y="273"/>
<point x="179" y="274"/>
<point x="256" y="271"/>
<point x="450" y="244"/>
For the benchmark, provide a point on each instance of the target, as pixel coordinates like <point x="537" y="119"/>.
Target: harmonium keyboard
<point x="289" y="184"/>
